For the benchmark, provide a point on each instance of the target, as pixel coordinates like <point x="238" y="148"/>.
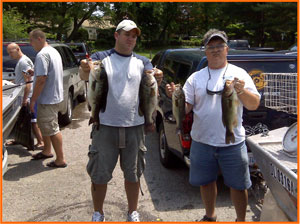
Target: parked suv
<point x="80" y="50"/>
<point x="74" y="87"/>
<point x="178" y="65"/>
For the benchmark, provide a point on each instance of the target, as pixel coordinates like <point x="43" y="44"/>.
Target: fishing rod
<point x="15" y="86"/>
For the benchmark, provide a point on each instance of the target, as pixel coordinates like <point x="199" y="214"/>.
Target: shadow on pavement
<point x="17" y="171"/>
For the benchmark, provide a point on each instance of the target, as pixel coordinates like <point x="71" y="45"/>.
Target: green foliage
<point x="269" y="24"/>
<point x="14" y="25"/>
<point x="81" y="36"/>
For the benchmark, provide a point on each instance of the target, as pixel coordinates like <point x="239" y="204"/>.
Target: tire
<point x="83" y="97"/>
<point x="167" y="158"/>
<point x="67" y="117"/>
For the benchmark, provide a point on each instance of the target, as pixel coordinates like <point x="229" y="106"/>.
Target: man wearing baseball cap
<point x="121" y="131"/>
<point x="213" y="147"/>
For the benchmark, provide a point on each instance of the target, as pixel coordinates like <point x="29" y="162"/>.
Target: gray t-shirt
<point x="48" y="63"/>
<point x="124" y="74"/>
<point x="24" y="64"/>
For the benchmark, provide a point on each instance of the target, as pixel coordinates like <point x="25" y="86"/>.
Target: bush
<point x="81" y="35"/>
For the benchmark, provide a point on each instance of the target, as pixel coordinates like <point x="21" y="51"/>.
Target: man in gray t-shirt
<point x="23" y="65"/>
<point x="48" y="93"/>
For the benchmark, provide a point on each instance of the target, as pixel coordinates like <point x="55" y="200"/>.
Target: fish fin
<point x="103" y="99"/>
<point x="93" y="85"/>
<point x="141" y="111"/>
<point x="229" y="137"/>
<point x="152" y="93"/>
<point x="89" y="107"/>
<point x="91" y="121"/>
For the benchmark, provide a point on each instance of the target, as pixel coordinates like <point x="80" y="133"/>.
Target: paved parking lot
<point x="33" y="192"/>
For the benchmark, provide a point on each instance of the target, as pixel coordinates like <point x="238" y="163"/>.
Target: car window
<point x="77" y="48"/>
<point x="71" y="60"/>
<point x="176" y="71"/>
<point x="63" y="56"/>
<point x="156" y="59"/>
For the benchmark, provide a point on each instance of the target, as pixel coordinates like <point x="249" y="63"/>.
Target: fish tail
<point x="91" y="121"/>
<point x="229" y="137"/>
<point x="149" y="127"/>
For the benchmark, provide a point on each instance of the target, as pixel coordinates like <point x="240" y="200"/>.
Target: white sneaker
<point x="97" y="217"/>
<point x="133" y="217"/>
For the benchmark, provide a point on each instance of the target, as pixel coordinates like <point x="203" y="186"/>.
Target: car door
<point x="75" y="80"/>
<point x="175" y="70"/>
<point x="66" y="78"/>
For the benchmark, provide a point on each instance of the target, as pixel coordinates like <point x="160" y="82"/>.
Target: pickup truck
<point x="179" y="64"/>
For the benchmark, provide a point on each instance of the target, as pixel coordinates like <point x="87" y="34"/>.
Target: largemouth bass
<point x="178" y="107"/>
<point x="148" y="93"/>
<point x="97" y="92"/>
<point x="230" y="104"/>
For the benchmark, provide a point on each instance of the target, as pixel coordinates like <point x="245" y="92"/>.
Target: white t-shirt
<point x="207" y="126"/>
<point x="48" y="63"/>
<point x="24" y="64"/>
<point x="124" y="73"/>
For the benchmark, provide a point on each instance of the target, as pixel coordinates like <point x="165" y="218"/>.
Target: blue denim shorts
<point x="232" y="161"/>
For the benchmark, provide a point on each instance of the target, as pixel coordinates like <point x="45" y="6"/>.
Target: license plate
<point x="251" y="159"/>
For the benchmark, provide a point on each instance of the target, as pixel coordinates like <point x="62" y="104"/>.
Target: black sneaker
<point x="207" y="219"/>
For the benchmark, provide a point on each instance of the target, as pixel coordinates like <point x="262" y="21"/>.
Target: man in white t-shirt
<point x="23" y="65"/>
<point x="121" y="131"/>
<point x="48" y="93"/>
<point x="209" y="151"/>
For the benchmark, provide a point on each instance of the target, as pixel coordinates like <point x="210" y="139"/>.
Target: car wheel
<point x="167" y="158"/>
<point x="67" y="117"/>
<point x="82" y="98"/>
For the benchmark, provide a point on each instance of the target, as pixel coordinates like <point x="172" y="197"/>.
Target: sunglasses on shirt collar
<point x="209" y="92"/>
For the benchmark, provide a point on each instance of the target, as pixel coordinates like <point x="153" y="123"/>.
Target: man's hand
<point x="29" y="72"/>
<point x="170" y="88"/>
<point x="84" y="69"/>
<point x="239" y="85"/>
<point x="25" y="101"/>
<point x="159" y="75"/>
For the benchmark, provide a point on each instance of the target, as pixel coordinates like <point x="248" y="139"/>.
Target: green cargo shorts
<point x="110" y="142"/>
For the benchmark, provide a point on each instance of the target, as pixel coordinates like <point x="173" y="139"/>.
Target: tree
<point x="14" y="26"/>
<point x="56" y="17"/>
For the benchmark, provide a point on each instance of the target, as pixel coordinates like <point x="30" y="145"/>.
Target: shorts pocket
<point x="141" y="162"/>
<point x="92" y="166"/>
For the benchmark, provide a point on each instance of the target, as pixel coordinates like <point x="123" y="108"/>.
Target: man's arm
<point x="249" y="100"/>
<point x="38" y="88"/>
<point x="27" y="89"/>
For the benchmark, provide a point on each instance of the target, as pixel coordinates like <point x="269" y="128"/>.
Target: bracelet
<point x="239" y="93"/>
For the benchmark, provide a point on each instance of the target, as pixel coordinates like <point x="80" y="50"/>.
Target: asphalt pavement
<point x="33" y="192"/>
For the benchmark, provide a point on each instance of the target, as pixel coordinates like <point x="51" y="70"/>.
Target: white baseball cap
<point x="128" y="25"/>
